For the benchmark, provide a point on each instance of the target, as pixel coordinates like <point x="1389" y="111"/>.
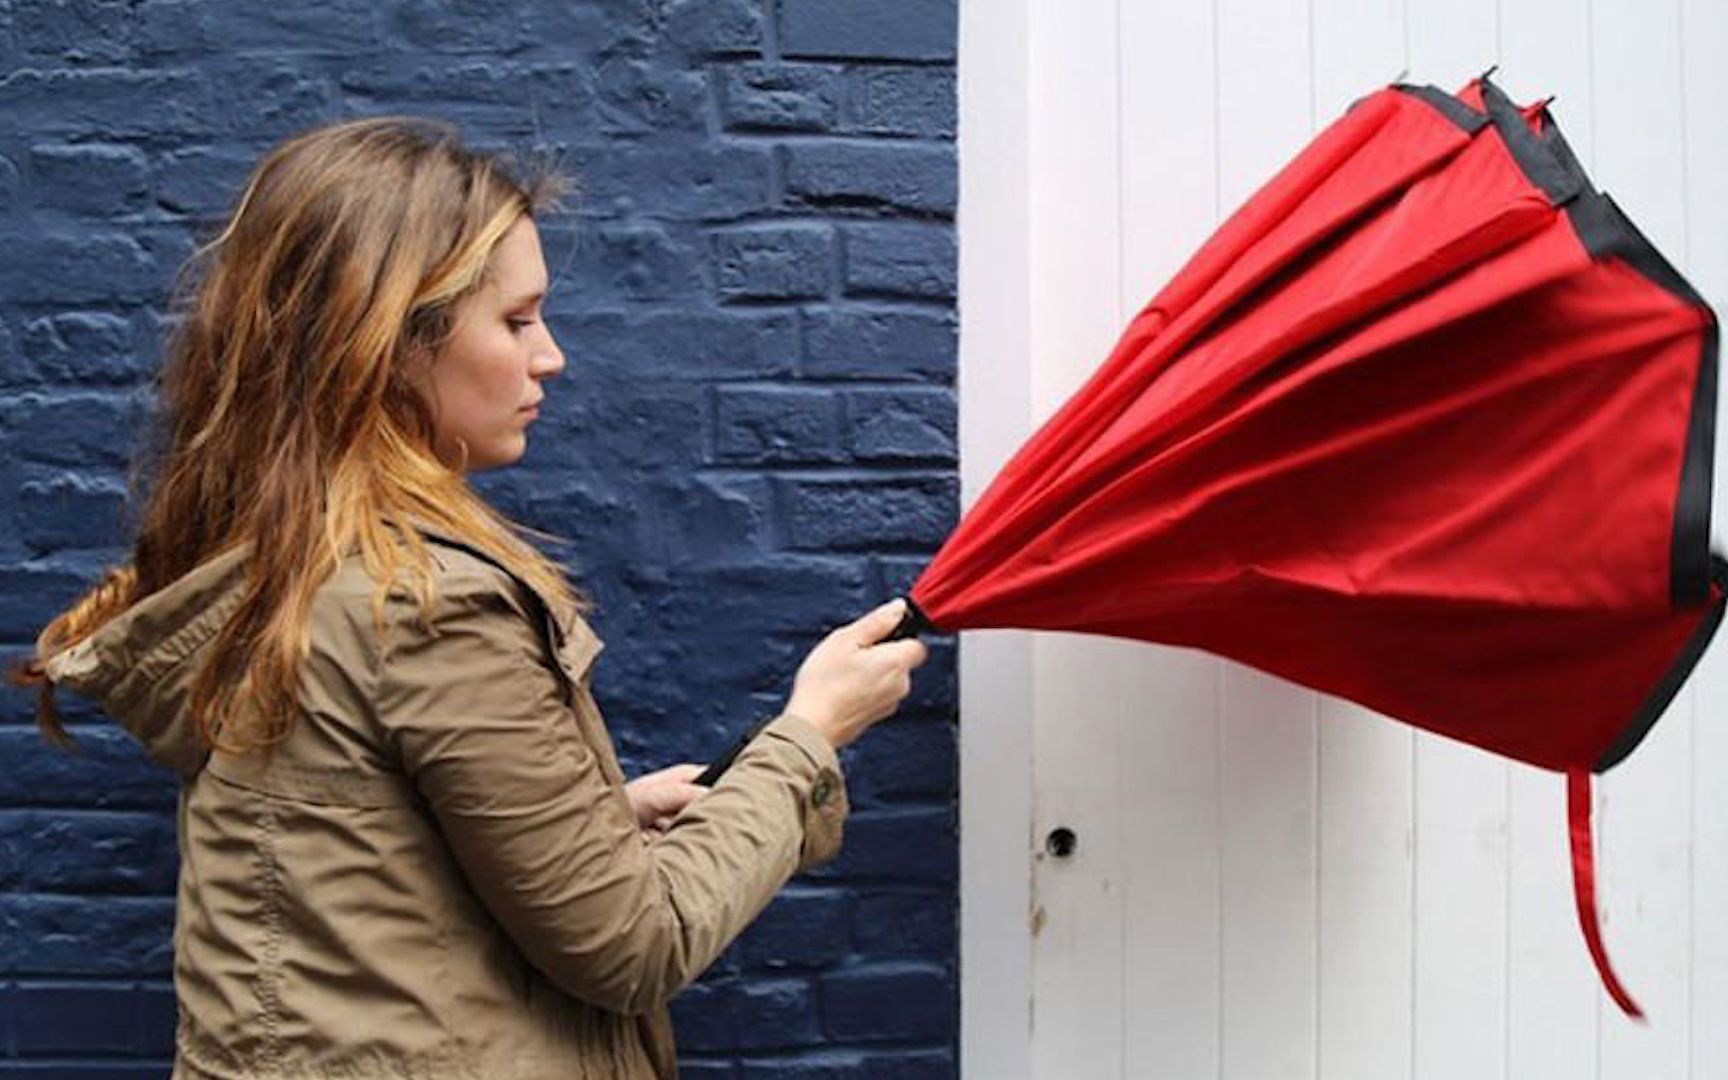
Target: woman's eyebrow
<point x="528" y="298"/>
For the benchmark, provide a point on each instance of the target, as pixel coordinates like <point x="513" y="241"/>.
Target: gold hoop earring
<point x="463" y="443"/>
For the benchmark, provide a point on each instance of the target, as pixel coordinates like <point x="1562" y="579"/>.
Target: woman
<point x="406" y="846"/>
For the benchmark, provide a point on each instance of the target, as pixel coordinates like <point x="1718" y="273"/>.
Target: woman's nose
<point x="550" y="358"/>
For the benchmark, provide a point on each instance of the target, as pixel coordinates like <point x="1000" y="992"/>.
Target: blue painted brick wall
<point x="754" y="439"/>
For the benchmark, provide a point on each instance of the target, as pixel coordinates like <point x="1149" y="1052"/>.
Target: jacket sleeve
<point x="550" y="843"/>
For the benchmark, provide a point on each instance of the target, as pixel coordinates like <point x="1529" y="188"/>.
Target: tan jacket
<point x="439" y="874"/>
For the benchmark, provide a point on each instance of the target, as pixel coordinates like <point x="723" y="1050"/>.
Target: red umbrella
<point x="1427" y="425"/>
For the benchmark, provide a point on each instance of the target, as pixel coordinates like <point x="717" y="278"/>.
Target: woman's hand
<point x="853" y="679"/>
<point x="658" y="797"/>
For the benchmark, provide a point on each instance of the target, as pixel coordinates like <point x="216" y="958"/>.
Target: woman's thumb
<point x="878" y="624"/>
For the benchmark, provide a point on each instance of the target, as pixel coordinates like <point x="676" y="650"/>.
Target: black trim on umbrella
<point x="1669" y="684"/>
<point x="1605" y="231"/>
<point x="1468" y="119"/>
<point x="913" y="623"/>
<point x="1689" y="558"/>
<point x="716" y="768"/>
<point x="1541" y="165"/>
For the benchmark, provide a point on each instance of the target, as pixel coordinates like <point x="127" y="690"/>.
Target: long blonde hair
<point x="289" y="414"/>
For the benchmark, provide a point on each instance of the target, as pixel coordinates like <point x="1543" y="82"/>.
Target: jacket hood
<point x="140" y="666"/>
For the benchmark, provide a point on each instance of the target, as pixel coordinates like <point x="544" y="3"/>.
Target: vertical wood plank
<point x="1171" y="866"/>
<point x="1553" y="998"/>
<point x="1645" y="803"/>
<point x="996" y="757"/>
<point x="1461" y="793"/>
<point x="1365" y="813"/>
<point x="1268" y="751"/>
<point x="1077" y="1010"/>
<point x="1703" y="33"/>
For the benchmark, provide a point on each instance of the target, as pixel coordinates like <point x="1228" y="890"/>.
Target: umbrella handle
<point x="720" y="764"/>
<point x="913" y="623"/>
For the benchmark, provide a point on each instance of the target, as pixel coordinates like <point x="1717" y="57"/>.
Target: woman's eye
<point x="518" y="325"/>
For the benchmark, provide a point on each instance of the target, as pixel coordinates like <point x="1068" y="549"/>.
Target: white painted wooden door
<point x="1271" y="883"/>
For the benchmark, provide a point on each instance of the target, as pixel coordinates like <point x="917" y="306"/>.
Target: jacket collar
<point x="571" y="637"/>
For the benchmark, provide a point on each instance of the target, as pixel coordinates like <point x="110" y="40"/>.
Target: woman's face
<point x="487" y="377"/>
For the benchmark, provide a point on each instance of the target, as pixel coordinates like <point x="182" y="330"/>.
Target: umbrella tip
<point x="1403" y="73"/>
<point x="1491" y="70"/>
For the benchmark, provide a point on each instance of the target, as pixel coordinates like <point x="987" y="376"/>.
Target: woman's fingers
<point x="907" y="653"/>
<point x="878" y="624"/>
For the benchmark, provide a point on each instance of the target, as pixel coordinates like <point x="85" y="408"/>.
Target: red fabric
<point x="1400" y="431"/>
<point x="1428" y="462"/>
<point x="1584" y="887"/>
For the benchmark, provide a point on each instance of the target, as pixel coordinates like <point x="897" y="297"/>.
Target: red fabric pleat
<point x="1584" y="887"/>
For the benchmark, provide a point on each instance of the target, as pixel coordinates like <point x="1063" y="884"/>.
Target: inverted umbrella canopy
<point x="1427" y="424"/>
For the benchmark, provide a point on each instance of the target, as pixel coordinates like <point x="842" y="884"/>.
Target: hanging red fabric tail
<point x="1584" y="887"/>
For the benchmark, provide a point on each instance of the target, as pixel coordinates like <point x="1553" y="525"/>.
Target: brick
<point x="72" y="31"/>
<point x="855" y="1065"/>
<point x="195" y="28"/>
<point x="158" y="1014"/>
<point x="108" y="770"/>
<point x="628" y="427"/>
<point x="720" y="517"/>
<point x="634" y="260"/>
<point x="69" y="1018"/>
<point x="94" y="179"/>
<point x="903" y="424"/>
<point x="109" y="103"/>
<point x="488" y="26"/>
<point x="70" y="511"/>
<point x="84" y="1069"/>
<point x="694" y="182"/>
<point x="714" y="26"/>
<point x="636" y="95"/>
<point x="265" y="101"/>
<point x="800" y="930"/>
<point x="82" y="347"/>
<point x="877" y="344"/>
<point x="780" y="97"/>
<point x="906" y="176"/>
<point x="8" y="183"/>
<point x="777" y="424"/>
<point x="936" y="684"/>
<point x="811" y="594"/>
<point x="65" y="269"/>
<point x="889" y="1001"/>
<point x="912" y="101"/>
<point x="75" y="935"/>
<point x="911" y="845"/>
<point x="687" y="343"/>
<point x="27" y="590"/>
<point x="66" y="429"/>
<point x="903" y="923"/>
<point x="87" y="851"/>
<point x="900" y="259"/>
<point x="202" y="180"/>
<point x="746" y="1015"/>
<point x="557" y="26"/>
<point x="902" y="759"/>
<point x="883" y="29"/>
<point x="899" y="572"/>
<point x="777" y="263"/>
<point x="474" y="92"/>
<point x="869" y="514"/>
